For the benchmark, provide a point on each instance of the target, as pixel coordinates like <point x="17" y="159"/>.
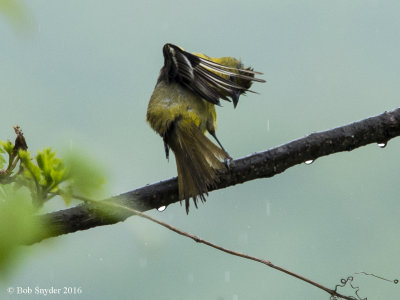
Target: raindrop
<point x="309" y="162"/>
<point x="161" y="208"/>
<point x="227" y="276"/>
<point x="268" y="208"/>
<point x="382" y="145"/>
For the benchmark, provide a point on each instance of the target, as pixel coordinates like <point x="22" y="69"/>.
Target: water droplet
<point x="161" y="208"/>
<point x="268" y="208"/>
<point x="309" y="162"/>
<point x="382" y="145"/>
<point x="227" y="276"/>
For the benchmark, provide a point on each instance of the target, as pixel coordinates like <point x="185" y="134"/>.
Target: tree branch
<point x="379" y="129"/>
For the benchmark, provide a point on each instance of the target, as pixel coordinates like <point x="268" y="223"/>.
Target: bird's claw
<point x="227" y="162"/>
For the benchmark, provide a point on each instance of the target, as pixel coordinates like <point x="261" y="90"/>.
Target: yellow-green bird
<point x="182" y="109"/>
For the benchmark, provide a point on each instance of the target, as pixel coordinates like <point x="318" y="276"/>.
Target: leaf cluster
<point x="28" y="181"/>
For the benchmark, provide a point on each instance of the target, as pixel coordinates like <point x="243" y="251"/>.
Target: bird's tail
<point x="198" y="160"/>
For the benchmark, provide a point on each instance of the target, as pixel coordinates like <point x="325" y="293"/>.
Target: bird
<point x="182" y="110"/>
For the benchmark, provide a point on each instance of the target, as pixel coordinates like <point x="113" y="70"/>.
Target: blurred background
<point x="80" y="74"/>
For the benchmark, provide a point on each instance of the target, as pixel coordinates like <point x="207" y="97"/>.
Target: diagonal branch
<point x="334" y="294"/>
<point x="379" y="129"/>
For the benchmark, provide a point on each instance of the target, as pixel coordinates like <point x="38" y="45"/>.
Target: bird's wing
<point x="208" y="79"/>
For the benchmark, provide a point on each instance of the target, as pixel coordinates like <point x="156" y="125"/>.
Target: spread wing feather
<point x="208" y="79"/>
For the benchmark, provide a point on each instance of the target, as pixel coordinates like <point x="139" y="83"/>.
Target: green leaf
<point x="85" y="175"/>
<point x="66" y="194"/>
<point x="16" y="15"/>
<point x="51" y="167"/>
<point x="2" y="158"/>
<point x="57" y="176"/>
<point x="7" y="146"/>
<point x="32" y="171"/>
<point x="17" y="226"/>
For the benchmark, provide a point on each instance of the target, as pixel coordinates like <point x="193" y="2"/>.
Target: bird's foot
<point x="228" y="162"/>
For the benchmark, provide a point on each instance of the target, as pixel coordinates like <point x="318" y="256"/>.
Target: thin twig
<point x="197" y="239"/>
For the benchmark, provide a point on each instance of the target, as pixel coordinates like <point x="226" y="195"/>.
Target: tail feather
<point x="198" y="161"/>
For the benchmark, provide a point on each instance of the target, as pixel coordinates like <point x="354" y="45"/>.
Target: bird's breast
<point x="171" y="101"/>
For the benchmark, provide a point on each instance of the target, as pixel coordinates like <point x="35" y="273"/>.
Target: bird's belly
<point x="172" y="102"/>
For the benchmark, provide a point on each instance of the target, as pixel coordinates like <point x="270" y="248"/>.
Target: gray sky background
<point x="80" y="73"/>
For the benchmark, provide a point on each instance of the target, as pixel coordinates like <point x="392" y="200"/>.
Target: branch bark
<point x="379" y="129"/>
